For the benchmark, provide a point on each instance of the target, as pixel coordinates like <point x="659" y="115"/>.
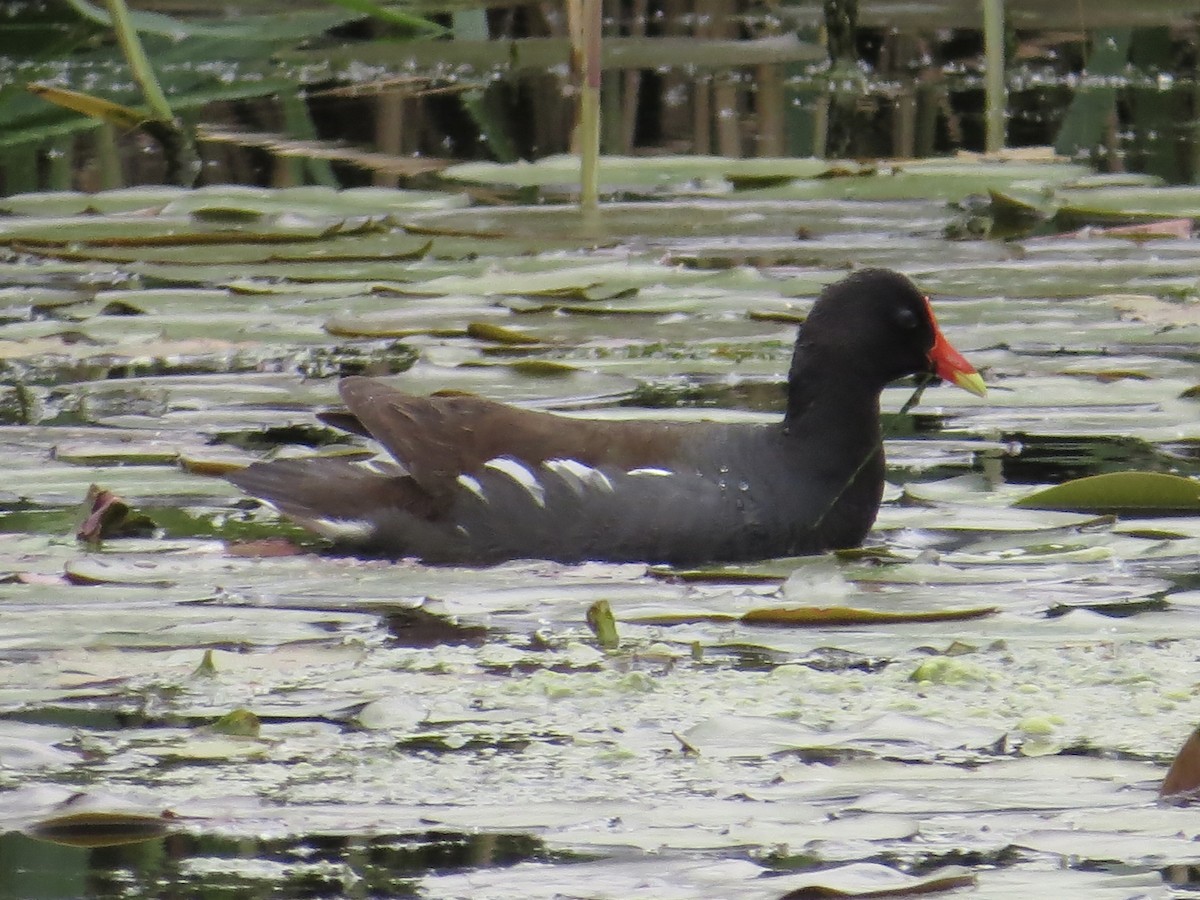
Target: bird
<point x="471" y="481"/>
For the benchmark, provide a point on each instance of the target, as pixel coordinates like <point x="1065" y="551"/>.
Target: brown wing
<point x="439" y="438"/>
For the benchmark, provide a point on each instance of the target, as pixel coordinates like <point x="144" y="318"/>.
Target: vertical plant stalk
<point x="769" y="101"/>
<point x="297" y="122"/>
<point x="389" y="125"/>
<point x="904" y="128"/>
<point x="61" y="159"/>
<point x="631" y="81"/>
<point x="139" y="63"/>
<point x="841" y="33"/>
<point x="108" y="160"/>
<point x="845" y="79"/>
<point x="179" y="148"/>
<point x="702" y="115"/>
<point x="1195" y="141"/>
<point x="575" y="36"/>
<point x="589" y="106"/>
<point x="993" y="54"/>
<point x="1085" y="127"/>
<point x="820" y="126"/>
<point x="20" y="164"/>
<point x="724" y="91"/>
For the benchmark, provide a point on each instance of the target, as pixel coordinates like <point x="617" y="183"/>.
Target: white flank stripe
<point x="660" y="472"/>
<point x="571" y="467"/>
<point x="342" y="529"/>
<point x="377" y="466"/>
<point x="472" y="485"/>
<point x="520" y="475"/>
<point x="584" y="474"/>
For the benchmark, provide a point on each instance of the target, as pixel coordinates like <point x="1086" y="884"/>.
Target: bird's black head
<point x="871" y="328"/>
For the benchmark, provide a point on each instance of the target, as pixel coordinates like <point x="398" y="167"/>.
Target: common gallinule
<point x="475" y="481"/>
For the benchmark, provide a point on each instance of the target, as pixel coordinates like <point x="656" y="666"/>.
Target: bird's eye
<point x="906" y="318"/>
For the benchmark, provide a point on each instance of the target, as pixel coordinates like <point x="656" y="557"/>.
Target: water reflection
<point x="308" y="866"/>
<point x="1112" y="86"/>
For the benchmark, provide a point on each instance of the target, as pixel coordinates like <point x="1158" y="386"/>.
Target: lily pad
<point x="665" y="172"/>
<point x="1130" y="204"/>
<point x="101" y="829"/>
<point x="835" y="616"/>
<point x="873" y="880"/>
<point x="1137" y="493"/>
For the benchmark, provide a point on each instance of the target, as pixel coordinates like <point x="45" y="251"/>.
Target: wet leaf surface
<point x="1134" y="492"/>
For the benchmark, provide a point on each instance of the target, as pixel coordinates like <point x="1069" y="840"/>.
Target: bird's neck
<point x="825" y="399"/>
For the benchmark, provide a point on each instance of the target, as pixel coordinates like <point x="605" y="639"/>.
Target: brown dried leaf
<point x="111" y="517"/>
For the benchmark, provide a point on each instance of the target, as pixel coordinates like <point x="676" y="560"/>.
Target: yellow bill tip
<point x="971" y="381"/>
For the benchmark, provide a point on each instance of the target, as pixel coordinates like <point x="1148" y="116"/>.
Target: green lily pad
<point x="1130" y="204"/>
<point x="161" y="230"/>
<point x="664" y="172"/>
<point x="1131" y="492"/>
<point x="932" y="179"/>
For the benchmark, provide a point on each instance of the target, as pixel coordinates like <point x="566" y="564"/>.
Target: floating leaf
<point x="677" y="617"/>
<point x="113" y="454"/>
<point x="239" y="723"/>
<point x="949" y="670"/>
<point x="1117" y="608"/>
<point x="1180" y="229"/>
<point x="210" y="466"/>
<point x="488" y="331"/>
<point x="1133" y="492"/>
<point x="1157" y="311"/>
<point x="1014" y="204"/>
<point x="873" y="880"/>
<point x="159" y="231"/>
<point x="94" y="571"/>
<point x="661" y="172"/>
<point x="100" y="829"/>
<point x="542" y="368"/>
<point x="834" y="616"/>
<point x="1130" y="204"/>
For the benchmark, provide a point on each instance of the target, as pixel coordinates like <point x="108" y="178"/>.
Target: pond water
<point x="292" y="93"/>
<point x="178" y="711"/>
